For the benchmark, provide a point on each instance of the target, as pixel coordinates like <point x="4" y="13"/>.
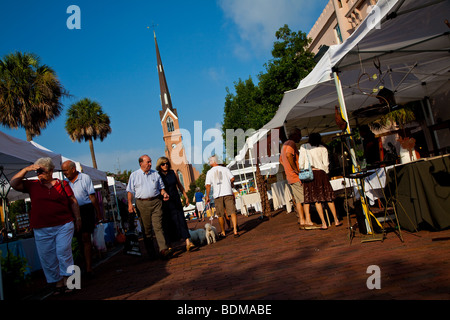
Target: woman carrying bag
<point x="313" y="154"/>
<point x="54" y="216"/>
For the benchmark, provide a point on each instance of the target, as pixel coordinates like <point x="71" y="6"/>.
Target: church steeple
<point x="173" y="139"/>
<point x="166" y="101"/>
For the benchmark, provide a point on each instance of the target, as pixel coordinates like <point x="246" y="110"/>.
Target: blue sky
<point x="205" y="45"/>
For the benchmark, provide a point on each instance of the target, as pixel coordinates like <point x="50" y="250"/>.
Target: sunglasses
<point x="165" y="164"/>
<point x="40" y="171"/>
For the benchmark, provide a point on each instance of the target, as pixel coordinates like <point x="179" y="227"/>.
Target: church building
<point x="173" y="139"/>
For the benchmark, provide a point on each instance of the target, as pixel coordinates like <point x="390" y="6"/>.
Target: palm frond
<point x="30" y="93"/>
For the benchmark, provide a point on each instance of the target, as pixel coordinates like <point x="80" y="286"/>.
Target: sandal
<point x="190" y="246"/>
<point x="311" y="227"/>
<point x="62" y="290"/>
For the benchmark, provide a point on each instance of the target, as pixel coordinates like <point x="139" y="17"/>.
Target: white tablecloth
<point x="251" y="199"/>
<point x="281" y="195"/>
<point x="373" y="184"/>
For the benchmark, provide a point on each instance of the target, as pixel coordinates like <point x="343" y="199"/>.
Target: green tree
<point x="240" y="114"/>
<point x="86" y="121"/>
<point x="252" y="106"/>
<point x="291" y="63"/>
<point x="122" y="176"/>
<point x="30" y="93"/>
<point x="241" y="108"/>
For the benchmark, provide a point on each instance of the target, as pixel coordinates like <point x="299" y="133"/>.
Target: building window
<point x="180" y="176"/>
<point x="170" y="126"/>
<point x="337" y="30"/>
<point x="166" y="100"/>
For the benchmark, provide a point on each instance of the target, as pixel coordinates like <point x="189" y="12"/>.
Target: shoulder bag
<point x="306" y="175"/>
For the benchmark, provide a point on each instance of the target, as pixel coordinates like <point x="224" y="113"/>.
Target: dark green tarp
<point x="423" y="193"/>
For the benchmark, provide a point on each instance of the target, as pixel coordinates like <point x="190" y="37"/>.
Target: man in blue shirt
<point x="147" y="188"/>
<point x="83" y="189"/>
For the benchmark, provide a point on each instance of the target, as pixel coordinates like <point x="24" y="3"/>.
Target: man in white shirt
<point x="222" y="181"/>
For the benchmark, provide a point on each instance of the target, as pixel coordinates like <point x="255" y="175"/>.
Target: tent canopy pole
<point x="356" y="167"/>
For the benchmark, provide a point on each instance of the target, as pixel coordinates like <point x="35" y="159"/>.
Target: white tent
<point x="117" y="187"/>
<point x="97" y="176"/>
<point x="404" y="42"/>
<point x="15" y="154"/>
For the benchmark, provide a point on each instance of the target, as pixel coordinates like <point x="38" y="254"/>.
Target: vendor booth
<point x="398" y="55"/>
<point x="254" y="169"/>
<point x="15" y="154"/>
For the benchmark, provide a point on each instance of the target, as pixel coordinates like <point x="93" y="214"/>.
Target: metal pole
<point x="1" y="278"/>
<point x="356" y="167"/>
<point x="4" y="188"/>
<point x="253" y="169"/>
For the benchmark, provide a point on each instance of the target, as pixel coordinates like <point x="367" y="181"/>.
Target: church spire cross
<point x="166" y="101"/>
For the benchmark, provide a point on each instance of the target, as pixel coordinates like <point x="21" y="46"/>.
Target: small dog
<point x="210" y="233"/>
<point x="198" y="237"/>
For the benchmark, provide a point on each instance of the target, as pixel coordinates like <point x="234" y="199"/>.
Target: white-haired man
<point x="221" y="180"/>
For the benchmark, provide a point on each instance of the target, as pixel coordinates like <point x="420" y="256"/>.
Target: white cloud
<point x="215" y="74"/>
<point x="258" y="20"/>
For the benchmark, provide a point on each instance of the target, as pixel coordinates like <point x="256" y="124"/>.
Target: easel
<point x="371" y="236"/>
<point x="359" y="177"/>
<point x="351" y="234"/>
<point x="369" y="216"/>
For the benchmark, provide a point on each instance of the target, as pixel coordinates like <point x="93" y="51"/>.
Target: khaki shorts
<point x="297" y="192"/>
<point x="225" y="203"/>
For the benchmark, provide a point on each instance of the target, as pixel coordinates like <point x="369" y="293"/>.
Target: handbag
<point x="99" y="237"/>
<point x="307" y="174"/>
<point x="120" y="238"/>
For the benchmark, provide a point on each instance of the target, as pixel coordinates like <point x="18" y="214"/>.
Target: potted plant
<point x="15" y="273"/>
<point x="400" y="117"/>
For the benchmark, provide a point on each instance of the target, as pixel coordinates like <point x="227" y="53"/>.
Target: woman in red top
<point x="54" y="209"/>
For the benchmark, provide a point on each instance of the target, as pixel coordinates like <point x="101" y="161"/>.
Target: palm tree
<point x="86" y="120"/>
<point x="30" y="93"/>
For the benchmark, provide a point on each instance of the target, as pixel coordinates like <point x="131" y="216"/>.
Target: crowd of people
<point x="63" y="209"/>
<point x="159" y="206"/>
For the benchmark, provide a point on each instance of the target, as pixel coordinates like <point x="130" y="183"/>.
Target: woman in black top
<point x="174" y="221"/>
